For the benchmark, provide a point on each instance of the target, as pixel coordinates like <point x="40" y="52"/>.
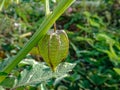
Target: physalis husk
<point x="54" y="47"/>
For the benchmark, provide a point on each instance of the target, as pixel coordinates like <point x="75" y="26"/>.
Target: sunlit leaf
<point x="117" y="70"/>
<point x="40" y="72"/>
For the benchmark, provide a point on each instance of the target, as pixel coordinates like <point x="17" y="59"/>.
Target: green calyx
<point x="54" y="47"/>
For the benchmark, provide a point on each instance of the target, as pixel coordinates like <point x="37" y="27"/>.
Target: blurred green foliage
<point x="93" y="27"/>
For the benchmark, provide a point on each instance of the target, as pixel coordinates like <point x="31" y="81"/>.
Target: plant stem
<point x="17" y="1"/>
<point x="55" y="27"/>
<point x="42" y="30"/>
<point x="47" y="7"/>
<point x="55" y="22"/>
<point x="2" y="5"/>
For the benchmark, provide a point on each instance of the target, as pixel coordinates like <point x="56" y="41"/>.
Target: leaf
<point x="54" y="1"/>
<point x="104" y="37"/>
<point x="98" y="79"/>
<point x="63" y="68"/>
<point x="88" y="40"/>
<point x="8" y="82"/>
<point x="25" y="62"/>
<point x="87" y="14"/>
<point x="3" y="74"/>
<point x="43" y="87"/>
<point x="84" y="84"/>
<point x="4" y="63"/>
<point x="93" y="23"/>
<point x="62" y="87"/>
<point x="117" y="70"/>
<point x="37" y="74"/>
<point x="41" y="72"/>
<point x="76" y="49"/>
<point x="112" y="55"/>
<point x="35" y="51"/>
<point x="22" y="13"/>
<point x="4" y="4"/>
<point x="83" y="28"/>
<point x="1" y="88"/>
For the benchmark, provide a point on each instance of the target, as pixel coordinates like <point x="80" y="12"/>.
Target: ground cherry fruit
<point x="54" y="47"/>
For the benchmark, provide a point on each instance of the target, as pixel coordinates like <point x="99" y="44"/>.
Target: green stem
<point x="55" y="27"/>
<point x="2" y="5"/>
<point x="17" y="2"/>
<point x="47" y="7"/>
<point x="55" y="22"/>
<point x="42" y="30"/>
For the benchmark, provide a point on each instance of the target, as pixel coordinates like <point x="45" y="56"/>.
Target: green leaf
<point x="25" y="62"/>
<point x="117" y="70"/>
<point x="62" y="87"/>
<point x="98" y="79"/>
<point x="43" y="87"/>
<point x="4" y="63"/>
<point x="41" y="72"/>
<point x="104" y="37"/>
<point x="55" y="1"/>
<point x="76" y="49"/>
<point x="8" y="82"/>
<point x="3" y="74"/>
<point x="93" y="23"/>
<point x="84" y="84"/>
<point x="22" y="13"/>
<point x="63" y="68"/>
<point x="4" y="4"/>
